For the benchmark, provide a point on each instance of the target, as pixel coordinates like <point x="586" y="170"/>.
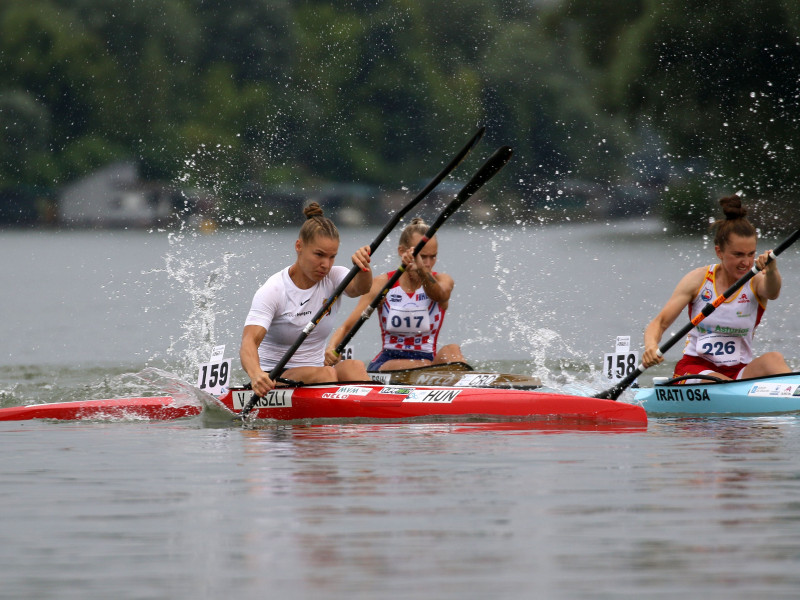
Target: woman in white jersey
<point x="721" y="344"/>
<point x="412" y="313"/>
<point x="288" y="301"/>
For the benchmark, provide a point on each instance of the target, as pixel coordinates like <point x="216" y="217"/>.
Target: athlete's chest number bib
<point x="408" y="321"/>
<point x="720" y="349"/>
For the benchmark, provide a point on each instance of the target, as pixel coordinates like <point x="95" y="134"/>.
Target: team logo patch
<point x="354" y="390"/>
<point x="346" y="391"/>
<point x="774" y="389"/>
<point x="404" y="391"/>
<point x="706" y="295"/>
<point x="476" y="379"/>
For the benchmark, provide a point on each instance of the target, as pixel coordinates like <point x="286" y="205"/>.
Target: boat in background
<point x="776" y="394"/>
<point x="456" y="374"/>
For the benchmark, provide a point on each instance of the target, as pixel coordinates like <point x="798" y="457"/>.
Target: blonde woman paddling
<point x="412" y="314"/>
<point x="284" y="305"/>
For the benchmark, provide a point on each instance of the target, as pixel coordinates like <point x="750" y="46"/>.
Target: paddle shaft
<point x="281" y="365"/>
<point x="490" y="168"/>
<point x="614" y="392"/>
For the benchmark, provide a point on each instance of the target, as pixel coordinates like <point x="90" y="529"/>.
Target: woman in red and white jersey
<point x="721" y="344"/>
<point x="412" y="313"/>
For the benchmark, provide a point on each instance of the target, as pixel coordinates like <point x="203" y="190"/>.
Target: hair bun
<point x="732" y="207"/>
<point x="418" y="221"/>
<point x="313" y="210"/>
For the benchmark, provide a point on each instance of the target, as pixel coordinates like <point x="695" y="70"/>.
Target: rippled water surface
<point x="201" y="508"/>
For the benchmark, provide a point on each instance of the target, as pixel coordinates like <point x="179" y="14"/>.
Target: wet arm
<point x="252" y="337"/>
<point x="681" y="297"/>
<point x="362" y="282"/>
<point x="438" y="287"/>
<point x="768" y="286"/>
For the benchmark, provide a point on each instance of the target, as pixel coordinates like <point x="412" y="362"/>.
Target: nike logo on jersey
<point x="304" y="301"/>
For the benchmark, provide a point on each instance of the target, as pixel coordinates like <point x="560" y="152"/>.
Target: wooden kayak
<point x="355" y="401"/>
<point x="392" y="402"/>
<point x="456" y="374"/>
<point x="757" y="396"/>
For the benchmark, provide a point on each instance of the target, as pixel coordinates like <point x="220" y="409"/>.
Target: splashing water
<point x="203" y="280"/>
<point x="182" y="392"/>
<point x="523" y="333"/>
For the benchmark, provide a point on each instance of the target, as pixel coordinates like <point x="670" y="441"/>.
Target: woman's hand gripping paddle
<point x="279" y="368"/>
<point x="492" y="166"/>
<point x="615" y="391"/>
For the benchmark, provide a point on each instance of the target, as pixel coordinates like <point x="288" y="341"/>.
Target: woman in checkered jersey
<point x="412" y="314"/>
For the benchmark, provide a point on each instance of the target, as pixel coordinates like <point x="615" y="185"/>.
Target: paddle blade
<point x="616" y="390"/>
<point x="612" y="393"/>
<point x="490" y="168"/>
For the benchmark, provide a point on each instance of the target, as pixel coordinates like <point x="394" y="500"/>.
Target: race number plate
<point x="213" y="377"/>
<point x="622" y="362"/>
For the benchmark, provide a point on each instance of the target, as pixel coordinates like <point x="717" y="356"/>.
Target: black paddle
<point x="490" y="168"/>
<point x="614" y="392"/>
<point x="278" y="368"/>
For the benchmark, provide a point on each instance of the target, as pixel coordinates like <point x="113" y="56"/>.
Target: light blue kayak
<point x="758" y="396"/>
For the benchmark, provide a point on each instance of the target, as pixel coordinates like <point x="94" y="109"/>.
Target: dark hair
<point x="734" y="222"/>
<point x="417" y="225"/>
<point x="317" y="224"/>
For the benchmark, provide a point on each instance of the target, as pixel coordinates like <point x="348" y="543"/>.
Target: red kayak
<point x="354" y="401"/>
<point x="159" y="408"/>
<point x="393" y="402"/>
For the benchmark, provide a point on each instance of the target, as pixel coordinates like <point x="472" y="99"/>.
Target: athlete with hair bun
<point x="721" y="344"/>
<point x="411" y="315"/>
<point x="285" y="304"/>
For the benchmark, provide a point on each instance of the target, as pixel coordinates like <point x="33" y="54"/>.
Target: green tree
<point x="719" y="80"/>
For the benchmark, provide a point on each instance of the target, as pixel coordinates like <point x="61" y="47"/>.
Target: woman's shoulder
<point x="693" y="280"/>
<point x="275" y="283"/>
<point x="700" y="273"/>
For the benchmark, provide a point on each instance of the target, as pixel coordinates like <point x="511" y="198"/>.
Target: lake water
<point x="200" y="508"/>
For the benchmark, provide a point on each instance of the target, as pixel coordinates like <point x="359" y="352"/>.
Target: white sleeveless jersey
<point x="283" y="309"/>
<point x="410" y="321"/>
<point x="724" y="337"/>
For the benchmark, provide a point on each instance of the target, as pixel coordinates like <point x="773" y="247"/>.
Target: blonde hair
<point x="317" y="224"/>
<point x="417" y="225"/>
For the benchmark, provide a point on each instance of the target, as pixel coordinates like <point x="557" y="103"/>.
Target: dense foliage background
<point x="686" y="97"/>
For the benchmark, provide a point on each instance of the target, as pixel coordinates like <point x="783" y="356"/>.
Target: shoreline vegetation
<point x="222" y="112"/>
<point x="679" y="214"/>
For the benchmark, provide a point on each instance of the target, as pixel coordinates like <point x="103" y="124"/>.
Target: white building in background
<point x="114" y="196"/>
